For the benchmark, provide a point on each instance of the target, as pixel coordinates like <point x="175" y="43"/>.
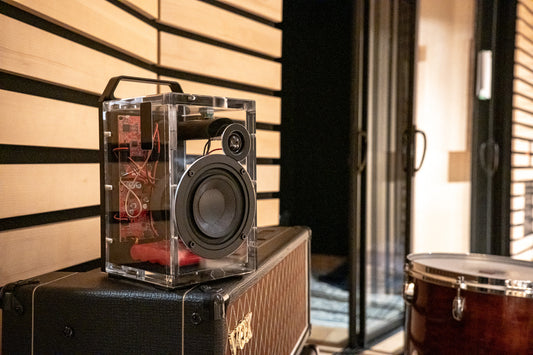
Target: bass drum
<point x="468" y="304"/>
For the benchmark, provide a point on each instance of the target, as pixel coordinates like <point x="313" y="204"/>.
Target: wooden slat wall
<point x="522" y="137"/>
<point x="270" y="9"/>
<point x="55" y="59"/>
<point x="206" y="20"/>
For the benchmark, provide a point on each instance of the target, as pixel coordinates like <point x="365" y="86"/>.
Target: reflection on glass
<point x="387" y="190"/>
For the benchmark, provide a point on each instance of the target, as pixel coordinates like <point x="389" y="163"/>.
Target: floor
<point x="325" y="340"/>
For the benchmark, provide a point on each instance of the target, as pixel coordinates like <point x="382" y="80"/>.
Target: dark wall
<point x="316" y="118"/>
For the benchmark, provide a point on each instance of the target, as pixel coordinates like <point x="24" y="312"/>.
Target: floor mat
<point x="330" y="306"/>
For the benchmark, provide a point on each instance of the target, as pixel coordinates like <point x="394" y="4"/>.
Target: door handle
<point x="361" y="151"/>
<point x="409" y="147"/>
<point x="489" y="156"/>
<point x="417" y="131"/>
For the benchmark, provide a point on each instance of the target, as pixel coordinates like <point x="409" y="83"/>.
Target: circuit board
<point x="136" y="182"/>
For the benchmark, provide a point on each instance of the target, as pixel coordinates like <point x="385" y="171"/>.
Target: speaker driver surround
<point x="214" y="206"/>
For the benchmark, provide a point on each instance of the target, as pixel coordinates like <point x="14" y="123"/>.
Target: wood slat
<point x="526" y="255"/>
<point x="149" y="8"/>
<point x="518" y="188"/>
<point x="520" y="146"/>
<point x="517" y="203"/>
<point x="268" y="108"/>
<point x="269" y="9"/>
<point x="523" y="11"/>
<point x="522" y="131"/>
<point x="268" y="144"/>
<point x="200" y="58"/>
<point x="37" y="250"/>
<point x="100" y="20"/>
<point x="521" y="245"/>
<point x="522" y="103"/>
<point x="268" y="212"/>
<point x="36" y="53"/>
<point x="517" y="232"/>
<point x="37" y="188"/>
<point x="37" y="121"/>
<point x="524" y="44"/>
<point x="211" y="21"/>
<point x="523" y="88"/>
<point x="268" y="177"/>
<point x="526" y="61"/>
<point x="522" y="26"/>
<point x="521" y="160"/>
<point x="523" y="117"/>
<point x="521" y="175"/>
<point x="517" y="217"/>
<point x="523" y="66"/>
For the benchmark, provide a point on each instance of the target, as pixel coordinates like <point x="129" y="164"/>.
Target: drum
<point x="468" y="304"/>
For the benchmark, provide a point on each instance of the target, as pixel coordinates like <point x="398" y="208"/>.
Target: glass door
<point x="386" y="179"/>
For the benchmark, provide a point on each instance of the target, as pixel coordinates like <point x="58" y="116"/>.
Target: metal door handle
<point x="489" y="156"/>
<point x="417" y="131"/>
<point x="361" y="151"/>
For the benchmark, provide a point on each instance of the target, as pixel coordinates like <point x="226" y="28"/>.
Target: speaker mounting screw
<point x="68" y="332"/>
<point x="190" y="173"/>
<point x="243" y="171"/>
<point x="243" y="236"/>
<point x="196" y="318"/>
<point x="192" y="245"/>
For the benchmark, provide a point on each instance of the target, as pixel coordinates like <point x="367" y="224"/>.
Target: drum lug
<point x="459" y="301"/>
<point x="408" y="291"/>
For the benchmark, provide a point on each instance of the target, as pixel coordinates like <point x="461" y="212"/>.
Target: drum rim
<point x="477" y="283"/>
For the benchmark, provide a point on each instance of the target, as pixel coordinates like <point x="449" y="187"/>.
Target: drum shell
<point x="491" y="323"/>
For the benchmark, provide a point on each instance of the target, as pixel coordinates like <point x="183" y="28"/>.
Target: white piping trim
<point x="183" y="319"/>
<point x="33" y="307"/>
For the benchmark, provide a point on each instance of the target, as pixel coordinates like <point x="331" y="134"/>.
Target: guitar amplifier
<point x="265" y="312"/>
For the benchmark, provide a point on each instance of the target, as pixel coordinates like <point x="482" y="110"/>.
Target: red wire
<point x="214" y="150"/>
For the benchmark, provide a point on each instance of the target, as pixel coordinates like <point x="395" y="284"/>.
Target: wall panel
<point x="101" y="20"/>
<point x="59" y="55"/>
<point x="37" y="250"/>
<point x="200" y="58"/>
<point x="39" y="54"/>
<point x="267" y="212"/>
<point x="149" y="8"/>
<point x="210" y="21"/>
<point x="269" y="9"/>
<point x="37" y="121"/>
<point x="268" y="178"/>
<point x="37" y="188"/>
<point x="521" y="245"/>
<point x="268" y="144"/>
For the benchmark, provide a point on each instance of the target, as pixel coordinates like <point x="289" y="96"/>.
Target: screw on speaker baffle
<point x="196" y="318"/>
<point x="68" y="331"/>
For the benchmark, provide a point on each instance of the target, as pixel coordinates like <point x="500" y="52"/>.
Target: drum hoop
<point x="483" y="284"/>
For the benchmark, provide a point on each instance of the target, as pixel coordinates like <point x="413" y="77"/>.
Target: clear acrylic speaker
<point x="178" y="187"/>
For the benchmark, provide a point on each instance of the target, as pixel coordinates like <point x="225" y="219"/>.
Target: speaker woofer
<point x="214" y="206"/>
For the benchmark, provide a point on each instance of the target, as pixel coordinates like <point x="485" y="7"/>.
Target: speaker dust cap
<point x="215" y="206"/>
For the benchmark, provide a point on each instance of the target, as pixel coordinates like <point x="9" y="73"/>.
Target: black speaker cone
<point x="218" y="205"/>
<point x="215" y="206"/>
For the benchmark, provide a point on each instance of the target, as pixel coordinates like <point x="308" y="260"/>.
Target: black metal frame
<point x="492" y="121"/>
<point x="325" y="119"/>
<point x="358" y="257"/>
